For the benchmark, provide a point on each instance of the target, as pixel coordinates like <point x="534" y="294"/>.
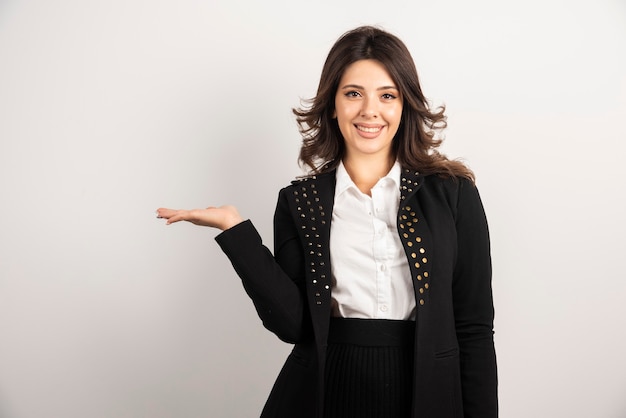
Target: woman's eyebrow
<point x="356" y="86"/>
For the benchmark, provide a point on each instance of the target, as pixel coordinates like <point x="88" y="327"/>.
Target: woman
<point x="381" y="273"/>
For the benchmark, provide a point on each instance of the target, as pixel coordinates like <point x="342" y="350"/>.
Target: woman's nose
<point x="370" y="108"/>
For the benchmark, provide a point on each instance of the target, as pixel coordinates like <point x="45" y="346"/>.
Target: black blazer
<point x="444" y="232"/>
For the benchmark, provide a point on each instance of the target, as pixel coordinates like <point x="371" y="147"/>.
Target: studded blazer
<point x="444" y="232"/>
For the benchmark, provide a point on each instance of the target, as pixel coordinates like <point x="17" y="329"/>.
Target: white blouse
<point x="370" y="272"/>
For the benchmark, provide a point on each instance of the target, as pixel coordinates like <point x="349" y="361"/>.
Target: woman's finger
<point x="164" y="213"/>
<point x="172" y="215"/>
<point x="173" y="219"/>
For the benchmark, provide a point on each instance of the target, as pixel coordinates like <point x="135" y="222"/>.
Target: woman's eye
<point x="352" y="94"/>
<point x="388" y="96"/>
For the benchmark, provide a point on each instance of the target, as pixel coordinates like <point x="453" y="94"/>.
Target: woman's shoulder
<point x="453" y="189"/>
<point x="311" y="180"/>
<point x="448" y="181"/>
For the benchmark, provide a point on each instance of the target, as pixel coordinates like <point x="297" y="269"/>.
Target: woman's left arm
<point x="473" y="306"/>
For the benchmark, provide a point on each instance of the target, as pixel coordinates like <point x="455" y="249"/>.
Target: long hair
<point x="414" y="145"/>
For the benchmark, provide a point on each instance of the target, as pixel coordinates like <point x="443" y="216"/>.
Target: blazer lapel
<point x="415" y="235"/>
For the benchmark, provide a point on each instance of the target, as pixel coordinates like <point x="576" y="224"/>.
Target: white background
<point x="110" y="109"/>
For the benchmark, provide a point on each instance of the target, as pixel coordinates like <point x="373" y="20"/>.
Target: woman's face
<point x="368" y="108"/>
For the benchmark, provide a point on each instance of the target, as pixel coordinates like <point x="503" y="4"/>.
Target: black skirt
<point x="369" y="368"/>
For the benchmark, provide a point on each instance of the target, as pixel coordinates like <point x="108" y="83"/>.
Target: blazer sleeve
<point x="274" y="282"/>
<point x="473" y="306"/>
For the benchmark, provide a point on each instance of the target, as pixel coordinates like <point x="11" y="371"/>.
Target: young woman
<point x="381" y="272"/>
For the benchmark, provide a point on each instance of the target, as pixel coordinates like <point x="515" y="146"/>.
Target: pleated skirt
<point x="369" y="368"/>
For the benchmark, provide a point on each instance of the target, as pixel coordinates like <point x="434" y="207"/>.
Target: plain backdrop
<point x="111" y="109"/>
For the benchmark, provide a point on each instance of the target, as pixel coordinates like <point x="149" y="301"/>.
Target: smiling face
<point x="368" y="108"/>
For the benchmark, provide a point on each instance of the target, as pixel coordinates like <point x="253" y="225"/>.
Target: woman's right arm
<point x="275" y="283"/>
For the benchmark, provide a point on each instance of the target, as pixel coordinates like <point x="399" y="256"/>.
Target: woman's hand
<point x="222" y="217"/>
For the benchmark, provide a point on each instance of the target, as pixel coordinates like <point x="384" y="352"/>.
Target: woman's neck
<point x="365" y="173"/>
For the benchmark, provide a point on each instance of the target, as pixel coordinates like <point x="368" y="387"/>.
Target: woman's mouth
<point x="368" y="129"/>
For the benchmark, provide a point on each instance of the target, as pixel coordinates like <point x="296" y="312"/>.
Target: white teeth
<point x="365" y="129"/>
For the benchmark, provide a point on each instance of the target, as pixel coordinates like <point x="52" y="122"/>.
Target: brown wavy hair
<point x="414" y="145"/>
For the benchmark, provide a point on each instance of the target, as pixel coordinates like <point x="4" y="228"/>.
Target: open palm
<point x="222" y="217"/>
